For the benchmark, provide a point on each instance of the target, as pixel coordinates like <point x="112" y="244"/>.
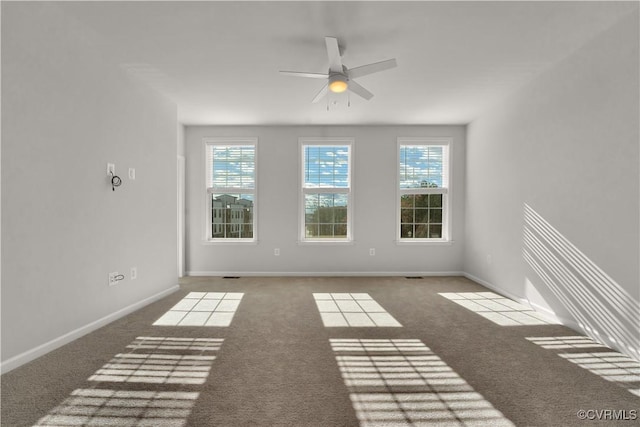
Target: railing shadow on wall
<point x="601" y="307"/>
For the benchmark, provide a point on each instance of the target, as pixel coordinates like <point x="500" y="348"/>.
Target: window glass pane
<point x="435" y="215"/>
<point x="421" y="231"/>
<point x="407" y="200"/>
<point x="435" y="200"/>
<point x="406" y="231"/>
<point x="232" y="216"/>
<point x="419" y="222"/>
<point x="421" y="215"/>
<point x="233" y="166"/>
<point x="406" y="216"/>
<point x="435" y="231"/>
<point x="421" y="166"/>
<point x="422" y="200"/>
<point x="326" y="166"/>
<point x="325" y="215"/>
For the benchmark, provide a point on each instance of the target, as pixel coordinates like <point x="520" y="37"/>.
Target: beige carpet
<point x="278" y="365"/>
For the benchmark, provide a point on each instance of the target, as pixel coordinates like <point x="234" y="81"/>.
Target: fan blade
<point x="364" y="70"/>
<point x="359" y="90"/>
<point x="303" y="74"/>
<point x="333" y="51"/>
<point x="321" y="94"/>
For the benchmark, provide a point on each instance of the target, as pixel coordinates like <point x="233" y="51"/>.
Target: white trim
<point x="45" y="348"/>
<point x="323" y="273"/>
<point x="182" y="179"/>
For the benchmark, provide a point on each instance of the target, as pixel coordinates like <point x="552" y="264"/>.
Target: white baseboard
<point x="322" y="273"/>
<point x="41" y="350"/>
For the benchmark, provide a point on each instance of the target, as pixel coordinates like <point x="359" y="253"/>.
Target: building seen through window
<point x="232" y="216"/>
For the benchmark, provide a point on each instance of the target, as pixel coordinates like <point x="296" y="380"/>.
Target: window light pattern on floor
<point x="565" y="342"/>
<point x="354" y="310"/>
<point x="161" y="360"/>
<point x="175" y="364"/>
<point x="104" y="407"/>
<point x="401" y="382"/>
<point x="498" y="309"/>
<point x="610" y="365"/>
<point x="155" y="369"/>
<point x="202" y="309"/>
<point x="172" y="343"/>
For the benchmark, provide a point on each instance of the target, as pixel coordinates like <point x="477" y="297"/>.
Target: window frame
<point x="208" y="191"/>
<point x="445" y="190"/>
<point x="324" y="141"/>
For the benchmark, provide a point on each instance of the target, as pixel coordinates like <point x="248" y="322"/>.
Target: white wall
<point x="374" y="189"/>
<point x="66" y="113"/>
<point x="553" y="190"/>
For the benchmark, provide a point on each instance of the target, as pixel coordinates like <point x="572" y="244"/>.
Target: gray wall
<point x="66" y="113"/>
<point x="553" y="190"/>
<point x="374" y="189"/>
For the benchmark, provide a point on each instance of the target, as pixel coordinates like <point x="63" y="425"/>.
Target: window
<point x="326" y="190"/>
<point x="423" y="190"/>
<point x="230" y="189"/>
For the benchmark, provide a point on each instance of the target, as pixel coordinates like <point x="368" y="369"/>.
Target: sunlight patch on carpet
<point x="105" y="407"/>
<point x="175" y="343"/>
<point x="155" y="369"/>
<point x="401" y="382"/>
<point x="565" y="342"/>
<point x="161" y="360"/>
<point x="178" y="365"/>
<point x="609" y="365"/>
<point x="500" y="310"/>
<point x="352" y="310"/>
<point x="202" y="309"/>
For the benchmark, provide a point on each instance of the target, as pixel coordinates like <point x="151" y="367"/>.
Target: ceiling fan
<point x="340" y="78"/>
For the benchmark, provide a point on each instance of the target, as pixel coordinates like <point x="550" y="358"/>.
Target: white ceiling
<point x="219" y="61"/>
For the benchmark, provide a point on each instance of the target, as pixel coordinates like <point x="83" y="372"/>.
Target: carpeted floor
<point x="278" y="365"/>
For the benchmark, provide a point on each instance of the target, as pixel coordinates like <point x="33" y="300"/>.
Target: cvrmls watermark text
<point x="608" y="414"/>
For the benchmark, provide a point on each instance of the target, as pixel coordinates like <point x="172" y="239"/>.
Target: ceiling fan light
<point x="337" y="83"/>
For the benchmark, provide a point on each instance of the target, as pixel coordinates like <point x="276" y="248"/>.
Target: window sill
<point x="325" y="242"/>
<point x="433" y="242"/>
<point x="230" y="242"/>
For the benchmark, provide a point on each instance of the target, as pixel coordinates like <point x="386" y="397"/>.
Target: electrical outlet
<point x="111" y="169"/>
<point x="114" y="278"/>
<point x="132" y="174"/>
<point x="134" y="273"/>
<point x="276" y="251"/>
<point x="372" y="251"/>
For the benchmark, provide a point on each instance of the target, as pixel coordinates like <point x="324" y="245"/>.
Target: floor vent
<point x="413" y="277"/>
<point x="230" y="277"/>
